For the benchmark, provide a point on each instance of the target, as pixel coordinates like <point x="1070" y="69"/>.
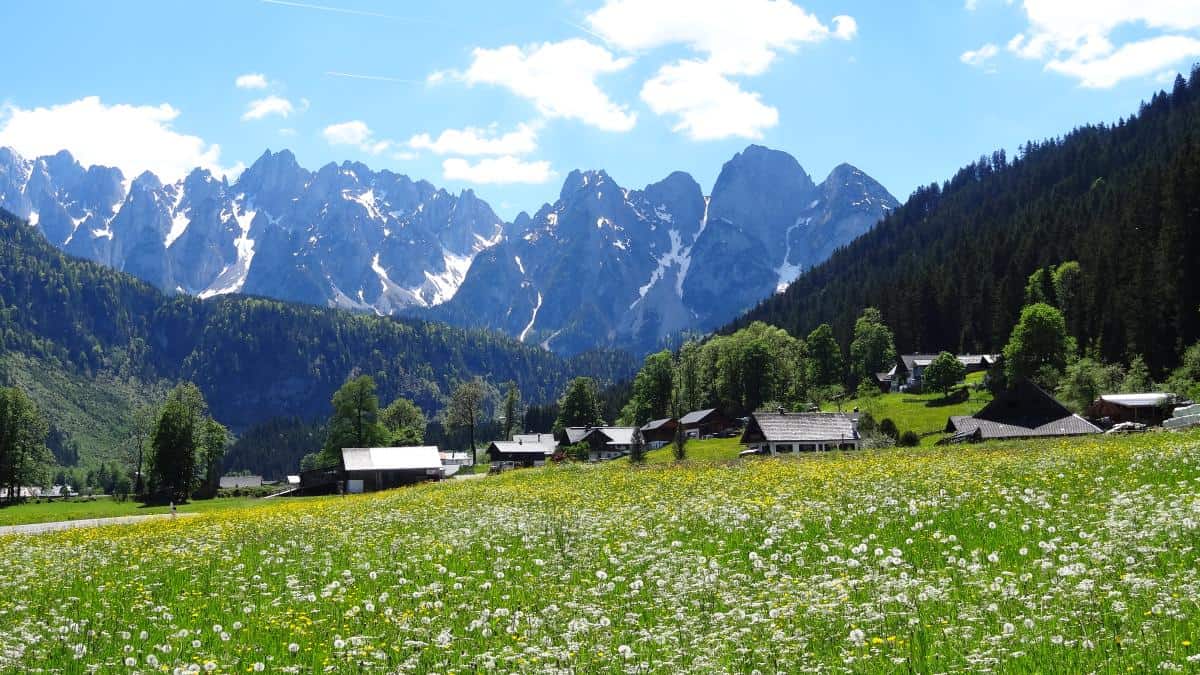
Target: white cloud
<point x="501" y="170"/>
<point x="1079" y="38"/>
<point x="732" y="38"/>
<point x="251" y="81"/>
<point x="709" y="105"/>
<point x="265" y="107"/>
<point x="971" y="5"/>
<point x="559" y="78"/>
<point x="738" y="37"/>
<point x="357" y="134"/>
<point x="474" y="141"/>
<point x="130" y="137"/>
<point x="979" y="57"/>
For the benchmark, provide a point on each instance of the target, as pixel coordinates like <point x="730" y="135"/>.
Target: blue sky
<point x="506" y="98"/>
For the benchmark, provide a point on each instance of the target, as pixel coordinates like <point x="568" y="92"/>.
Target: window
<point x="783" y="447"/>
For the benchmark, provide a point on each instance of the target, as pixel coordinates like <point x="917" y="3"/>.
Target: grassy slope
<point x="925" y="414"/>
<point x="96" y="413"/>
<point x="1051" y="556"/>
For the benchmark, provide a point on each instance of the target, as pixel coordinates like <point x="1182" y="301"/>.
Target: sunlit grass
<point x="926" y="414"/>
<point x="104" y="507"/>
<point x="1054" y="556"/>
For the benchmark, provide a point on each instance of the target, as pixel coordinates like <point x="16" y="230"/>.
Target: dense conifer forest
<point x="949" y="268"/>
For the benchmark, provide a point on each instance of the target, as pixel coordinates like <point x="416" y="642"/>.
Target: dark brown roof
<point x="1023" y="411"/>
<point x="796" y="426"/>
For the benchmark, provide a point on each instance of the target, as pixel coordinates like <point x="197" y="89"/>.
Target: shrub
<point x="888" y="428"/>
<point x="909" y="439"/>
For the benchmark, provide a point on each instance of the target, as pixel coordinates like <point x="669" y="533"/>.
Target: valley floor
<point x="1063" y="555"/>
<point x="106" y="507"/>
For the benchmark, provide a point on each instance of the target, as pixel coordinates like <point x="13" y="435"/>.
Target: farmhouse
<point x="909" y="370"/>
<point x="1149" y="409"/>
<point x="783" y="432"/>
<point x="572" y="435"/>
<point x="702" y="423"/>
<point x="524" y="450"/>
<point x="658" y="433"/>
<point x="608" y="442"/>
<point x="231" y="482"/>
<point x="371" y="469"/>
<point x="1023" y="411"/>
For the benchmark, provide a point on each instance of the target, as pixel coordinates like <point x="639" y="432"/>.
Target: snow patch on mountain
<point x="532" y="319"/>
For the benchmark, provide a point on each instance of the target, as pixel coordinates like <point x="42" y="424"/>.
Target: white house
<point x="784" y="432"/>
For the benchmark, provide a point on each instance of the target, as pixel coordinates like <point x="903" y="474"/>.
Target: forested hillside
<point x="948" y="269"/>
<point x="254" y="359"/>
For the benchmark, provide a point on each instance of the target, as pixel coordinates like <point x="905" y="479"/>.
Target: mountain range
<point x="603" y="266"/>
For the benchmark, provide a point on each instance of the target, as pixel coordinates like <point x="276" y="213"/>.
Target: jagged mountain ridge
<point x="604" y="266"/>
<point x="633" y="268"/>
<point x="343" y="236"/>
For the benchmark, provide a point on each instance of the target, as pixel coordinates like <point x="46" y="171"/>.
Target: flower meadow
<point x="1059" y="556"/>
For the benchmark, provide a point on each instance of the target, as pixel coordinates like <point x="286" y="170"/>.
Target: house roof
<point x="1150" y="400"/>
<point x="1023" y="411"/>
<point x="776" y="427"/>
<point x="576" y="434"/>
<point x="921" y="360"/>
<point x="654" y="425"/>
<point x="533" y="438"/>
<point x="391" y="459"/>
<point x="547" y="446"/>
<point x="240" y="481"/>
<point x="696" y="416"/>
<point x="1072" y="425"/>
<point x="616" y="435"/>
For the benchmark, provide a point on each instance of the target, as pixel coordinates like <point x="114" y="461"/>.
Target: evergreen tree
<point x="512" y="410"/>
<point x="637" y="447"/>
<point x="1137" y="377"/>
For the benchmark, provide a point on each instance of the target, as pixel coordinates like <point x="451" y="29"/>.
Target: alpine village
<point x="279" y="419"/>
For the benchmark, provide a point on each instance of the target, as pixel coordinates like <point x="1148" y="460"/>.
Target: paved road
<point x="40" y="528"/>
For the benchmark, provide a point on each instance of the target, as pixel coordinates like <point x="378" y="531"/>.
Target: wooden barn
<point x="373" y="469"/>
<point x="1150" y="409"/>
<point x="1025" y="410"/>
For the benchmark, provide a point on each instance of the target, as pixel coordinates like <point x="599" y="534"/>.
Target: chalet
<point x="657" y="433"/>
<point x="609" y="442"/>
<point x="783" y="432"/>
<point x="572" y="435"/>
<point x="1149" y="409"/>
<point x="372" y="469"/>
<point x="704" y="423"/>
<point x="233" y="482"/>
<point x="907" y="374"/>
<point x="524" y="449"/>
<point x="1023" y="411"/>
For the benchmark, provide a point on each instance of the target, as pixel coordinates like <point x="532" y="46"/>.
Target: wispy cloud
<point x="271" y="105"/>
<point x="375" y="78"/>
<point x="329" y="8"/>
<point x="251" y="81"/>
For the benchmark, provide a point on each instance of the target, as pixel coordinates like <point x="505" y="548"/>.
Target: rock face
<point x="605" y="265"/>
<point x="602" y="266"/>
<point x="344" y="235"/>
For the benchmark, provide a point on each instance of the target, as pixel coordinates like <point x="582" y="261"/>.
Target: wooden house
<point x="1150" y="409"/>
<point x="522" y="452"/>
<point x="607" y="443"/>
<point x="705" y="423"/>
<point x="1025" y="410"/>
<point x="657" y="433"/>
<point x="785" y="432"/>
<point x="908" y="374"/>
<point x="372" y="469"/>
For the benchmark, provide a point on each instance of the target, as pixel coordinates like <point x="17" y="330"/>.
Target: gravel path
<point x="40" y="528"/>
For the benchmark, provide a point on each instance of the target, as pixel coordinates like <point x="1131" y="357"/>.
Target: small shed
<point x="704" y="423"/>
<point x="784" y="432"/>
<point x="523" y="453"/>
<point x="1150" y="408"/>
<point x="658" y="433"/>
<point x="233" y="482"/>
<point x="372" y="469"/>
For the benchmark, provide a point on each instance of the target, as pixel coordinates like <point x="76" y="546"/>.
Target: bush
<point x="867" y="424"/>
<point x="909" y="439"/>
<point x="888" y="428"/>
